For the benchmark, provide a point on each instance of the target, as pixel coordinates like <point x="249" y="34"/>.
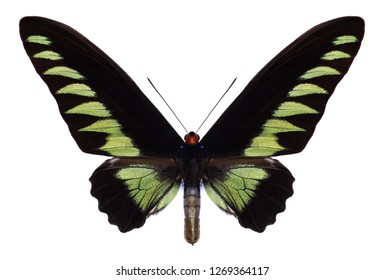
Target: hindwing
<point x="252" y="189"/>
<point x="131" y="189"/>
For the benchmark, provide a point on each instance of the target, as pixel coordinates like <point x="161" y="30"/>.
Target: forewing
<point x="105" y="110"/>
<point x="278" y="110"/>
<point x="252" y="189"/>
<point x="131" y="189"/>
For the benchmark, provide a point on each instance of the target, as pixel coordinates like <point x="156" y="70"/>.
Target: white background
<point x="191" y="50"/>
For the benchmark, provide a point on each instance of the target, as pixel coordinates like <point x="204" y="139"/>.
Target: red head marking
<point x="191" y="138"/>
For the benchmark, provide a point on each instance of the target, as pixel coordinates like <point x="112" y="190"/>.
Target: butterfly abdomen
<point x="192" y="213"/>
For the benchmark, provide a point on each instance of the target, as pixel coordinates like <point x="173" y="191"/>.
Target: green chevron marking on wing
<point x="37" y="39"/>
<point x="335" y="55"/>
<point x="64" y="72"/>
<point x="345" y="39"/>
<point x="306" y="89"/>
<point x="93" y="108"/>
<point x="51" y="55"/>
<point x="318" y="72"/>
<point x="267" y="142"/>
<point x="290" y="108"/>
<point x="77" y="89"/>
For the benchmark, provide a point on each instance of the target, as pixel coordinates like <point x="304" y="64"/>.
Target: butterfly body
<point x="275" y="114"/>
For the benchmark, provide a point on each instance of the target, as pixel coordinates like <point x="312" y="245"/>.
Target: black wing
<point x="105" y="110"/>
<point x="278" y="110"/>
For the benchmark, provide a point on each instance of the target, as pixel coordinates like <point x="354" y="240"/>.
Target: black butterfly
<point x="276" y="114"/>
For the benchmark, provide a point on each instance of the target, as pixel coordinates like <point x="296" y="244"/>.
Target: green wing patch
<point x="130" y="190"/>
<point x="238" y="188"/>
<point x="146" y="188"/>
<point x="253" y="190"/>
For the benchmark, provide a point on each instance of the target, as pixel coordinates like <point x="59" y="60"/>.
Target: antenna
<point x="208" y="113"/>
<point x="216" y="104"/>
<point x="167" y="105"/>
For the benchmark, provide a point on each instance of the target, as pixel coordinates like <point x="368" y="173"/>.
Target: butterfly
<point x="107" y="114"/>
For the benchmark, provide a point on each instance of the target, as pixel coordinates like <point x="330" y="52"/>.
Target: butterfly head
<point x="191" y="138"/>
